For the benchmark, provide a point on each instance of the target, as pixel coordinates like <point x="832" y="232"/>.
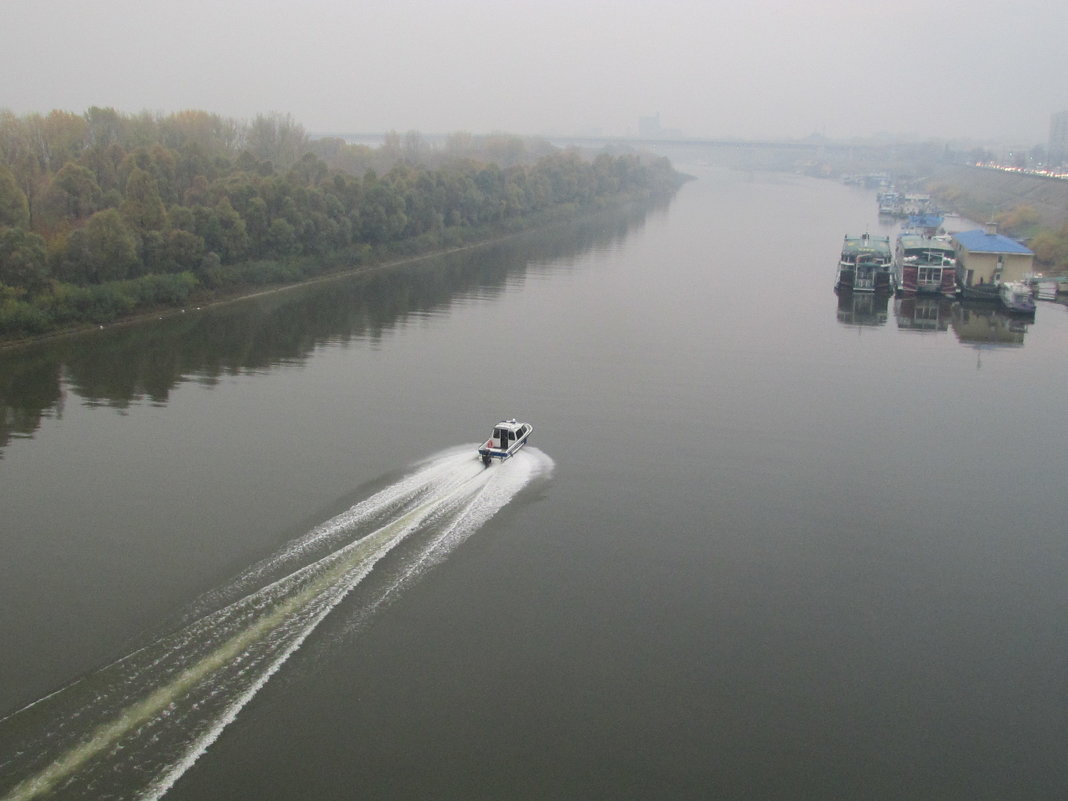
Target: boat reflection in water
<point x="920" y="313"/>
<point x="862" y="308"/>
<point x="982" y="326"/>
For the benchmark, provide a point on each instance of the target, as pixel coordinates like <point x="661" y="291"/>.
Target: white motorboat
<point x="508" y="437"/>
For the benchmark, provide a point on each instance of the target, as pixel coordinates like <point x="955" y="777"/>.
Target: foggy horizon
<point x="766" y="70"/>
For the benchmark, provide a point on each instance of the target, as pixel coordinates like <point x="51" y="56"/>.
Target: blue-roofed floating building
<point x="986" y="259"/>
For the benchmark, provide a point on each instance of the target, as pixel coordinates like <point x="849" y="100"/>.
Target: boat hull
<point x="1016" y="298"/>
<point x="987" y="293"/>
<point x="941" y="285"/>
<point x="489" y="454"/>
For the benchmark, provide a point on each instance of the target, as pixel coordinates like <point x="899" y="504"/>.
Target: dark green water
<point x="767" y="544"/>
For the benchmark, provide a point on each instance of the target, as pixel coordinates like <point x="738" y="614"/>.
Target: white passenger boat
<point x="508" y="437"/>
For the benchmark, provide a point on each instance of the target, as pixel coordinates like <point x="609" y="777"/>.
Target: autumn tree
<point x="277" y="138"/>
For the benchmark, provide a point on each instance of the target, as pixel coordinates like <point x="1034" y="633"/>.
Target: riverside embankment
<point x="981" y="193"/>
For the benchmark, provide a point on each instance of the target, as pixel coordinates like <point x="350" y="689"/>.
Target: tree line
<point x="102" y="213"/>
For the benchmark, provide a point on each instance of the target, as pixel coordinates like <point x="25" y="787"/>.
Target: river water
<point x="765" y="543"/>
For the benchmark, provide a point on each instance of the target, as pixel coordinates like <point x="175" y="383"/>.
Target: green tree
<point x="382" y="217"/>
<point x="281" y="238"/>
<point x="105" y="162"/>
<point x="309" y="171"/>
<point x="109" y="249"/>
<point x="142" y="206"/>
<point x="206" y="226"/>
<point x="233" y="238"/>
<point x="14" y="209"/>
<point x="181" y="217"/>
<point x="72" y="194"/>
<point x="22" y="260"/>
<point x="184" y="251"/>
<point x="257" y="223"/>
<point x="198" y="193"/>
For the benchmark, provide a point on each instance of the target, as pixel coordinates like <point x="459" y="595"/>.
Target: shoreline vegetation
<point x="1031" y="209"/>
<point x="108" y="218"/>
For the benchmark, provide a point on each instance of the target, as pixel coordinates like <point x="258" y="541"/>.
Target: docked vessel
<point x="865" y="264"/>
<point x="930" y="223"/>
<point x="890" y="203"/>
<point x="1016" y="297"/>
<point x="987" y="292"/>
<point x="925" y="265"/>
<point x="508" y="437"/>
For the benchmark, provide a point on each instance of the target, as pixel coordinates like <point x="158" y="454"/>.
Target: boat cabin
<point x="508" y="437"/>
<point x="925" y="265"/>
<point x="508" y="432"/>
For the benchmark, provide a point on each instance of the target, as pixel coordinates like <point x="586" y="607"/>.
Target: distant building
<point x="1057" y="149"/>
<point x="986" y="257"/>
<point x="649" y="127"/>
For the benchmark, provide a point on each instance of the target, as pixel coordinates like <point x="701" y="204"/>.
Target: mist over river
<point x="766" y="542"/>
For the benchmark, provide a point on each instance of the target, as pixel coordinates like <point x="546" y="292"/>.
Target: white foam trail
<point x="505" y="483"/>
<point x="433" y="474"/>
<point x="145" y="719"/>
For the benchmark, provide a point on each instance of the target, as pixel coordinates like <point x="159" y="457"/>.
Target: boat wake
<point x="130" y="729"/>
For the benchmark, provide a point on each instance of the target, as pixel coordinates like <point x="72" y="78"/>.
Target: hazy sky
<point x="981" y="69"/>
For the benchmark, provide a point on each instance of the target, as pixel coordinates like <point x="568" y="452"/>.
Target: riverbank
<point x="982" y="194"/>
<point x="361" y="260"/>
<point x="210" y="299"/>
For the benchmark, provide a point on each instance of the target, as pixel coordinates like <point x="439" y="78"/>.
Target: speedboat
<point x="508" y="437"/>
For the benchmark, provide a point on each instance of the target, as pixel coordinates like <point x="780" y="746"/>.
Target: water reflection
<point x="923" y="313"/>
<point x="863" y="308"/>
<point x="980" y="324"/>
<point x="975" y="323"/>
<point x="125" y="364"/>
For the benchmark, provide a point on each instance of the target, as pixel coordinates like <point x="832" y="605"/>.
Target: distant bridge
<point x="768" y="144"/>
<point x="694" y="143"/>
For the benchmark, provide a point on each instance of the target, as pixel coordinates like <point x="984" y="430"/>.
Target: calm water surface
<point x="767" y="545"/>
